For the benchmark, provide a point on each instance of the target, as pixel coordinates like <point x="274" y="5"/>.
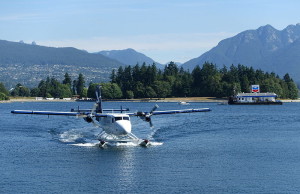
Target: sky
<point x="165" y="30"/>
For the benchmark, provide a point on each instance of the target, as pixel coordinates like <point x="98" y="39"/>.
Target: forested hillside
<point x="29" y="63"/>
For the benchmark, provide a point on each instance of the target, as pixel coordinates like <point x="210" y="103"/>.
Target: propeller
<point x="147" y="116"/>
<point x="96" y="108"/>
<point x="89" y="118"/>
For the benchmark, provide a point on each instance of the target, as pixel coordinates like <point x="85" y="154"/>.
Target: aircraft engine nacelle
<point x="88" y="119"/>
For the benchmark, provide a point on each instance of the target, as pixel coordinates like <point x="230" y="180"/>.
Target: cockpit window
<point x="121" y="118"/>
<point x="118" y="118"/>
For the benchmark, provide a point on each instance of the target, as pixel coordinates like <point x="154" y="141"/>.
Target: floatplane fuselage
<point x="116" y="127"/>
<point x="116" y="124"/>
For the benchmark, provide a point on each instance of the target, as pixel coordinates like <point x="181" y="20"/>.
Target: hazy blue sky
<point x="164" y="30"/>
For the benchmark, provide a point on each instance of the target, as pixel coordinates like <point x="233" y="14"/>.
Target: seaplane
<point x="115" y="124"/>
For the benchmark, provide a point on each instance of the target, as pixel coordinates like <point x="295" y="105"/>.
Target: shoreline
<point x="187" y="99"/>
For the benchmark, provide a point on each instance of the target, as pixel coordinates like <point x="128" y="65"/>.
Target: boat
<point x="254" y="98"/>
<point x="183" y="103"/>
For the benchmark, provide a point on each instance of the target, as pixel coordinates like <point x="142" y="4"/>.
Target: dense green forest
<point x="150" y="82"/>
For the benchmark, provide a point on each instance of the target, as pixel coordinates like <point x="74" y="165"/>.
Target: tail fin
<point x="99" y="99"/>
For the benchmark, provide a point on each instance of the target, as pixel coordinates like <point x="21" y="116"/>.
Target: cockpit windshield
<point x="121" y="118"/>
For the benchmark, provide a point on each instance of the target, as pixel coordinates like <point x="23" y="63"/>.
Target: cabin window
<point x="126" y="118"/>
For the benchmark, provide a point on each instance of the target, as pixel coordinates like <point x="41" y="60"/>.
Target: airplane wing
<point x="56" y="113"/>
<point x="181" y="111"/>
<point x="192" y="110"/>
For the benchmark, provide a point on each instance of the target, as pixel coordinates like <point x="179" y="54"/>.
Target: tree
<point x="80" y="85"/>
<point x="171" y="69"/>
<point x="74" y="91"/>
<point x="67" y="80"/>
<point x="129" y="94"/>
<point x="52" y="88"/>
<point x="149" y="92"/>
<point x="108" y="90"/>
<point x="291" y="86"/>
<point x="162" y="89"/>
<point x="20" y="90"/>
<point x="34" y="92"/>
<point x="91" y="92"/>
<point x="197" y="81"/>
<point x="139" y="90"/>
<point x="245" y="84"/>
<point x="111" y="91"/>
<point x="3" y="89"/>
<point x="3" y="92"/>
<point x="3" y="96"/>
<point x="113" y="76"/>
<point x="64" y="91"/>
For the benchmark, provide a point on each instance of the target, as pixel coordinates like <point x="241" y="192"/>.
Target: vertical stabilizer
<point x="99" y="100"/>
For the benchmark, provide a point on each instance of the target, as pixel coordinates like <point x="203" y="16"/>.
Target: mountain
<point x="177" y="63"/>
<point x="29" y="63"/>
<point x="129" y="57"/>
<point x="265" y="48"/>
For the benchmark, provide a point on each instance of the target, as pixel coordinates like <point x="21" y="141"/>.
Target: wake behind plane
<point x="116" y="127"/>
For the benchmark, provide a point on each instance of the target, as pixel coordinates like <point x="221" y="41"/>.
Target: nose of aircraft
<point x="124" y="127"/>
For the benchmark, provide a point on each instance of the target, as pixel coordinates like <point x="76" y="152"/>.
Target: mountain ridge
<point x="264" y="48"/>
<point x="129" y="56"/>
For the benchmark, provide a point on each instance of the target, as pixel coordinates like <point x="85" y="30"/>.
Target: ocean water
<point x="232" y="149"/>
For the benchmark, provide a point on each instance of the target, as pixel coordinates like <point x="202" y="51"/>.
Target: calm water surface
<point x="232" y="149"/>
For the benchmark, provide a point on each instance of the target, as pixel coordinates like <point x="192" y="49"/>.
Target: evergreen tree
<point x="113" y="76"/>
<point x="67" y="80"/>
<point x="80" y="85"/>
<point x="292" y="92"/>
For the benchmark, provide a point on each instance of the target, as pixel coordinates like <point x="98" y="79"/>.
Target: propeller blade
<point x="95" y="124"/>
<point x="150" y="122"/>
<point x="97" y="96"/>
<point x="94" y="108"/>
<point x="154" y="108"/>
<point x="98" y="93"/>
